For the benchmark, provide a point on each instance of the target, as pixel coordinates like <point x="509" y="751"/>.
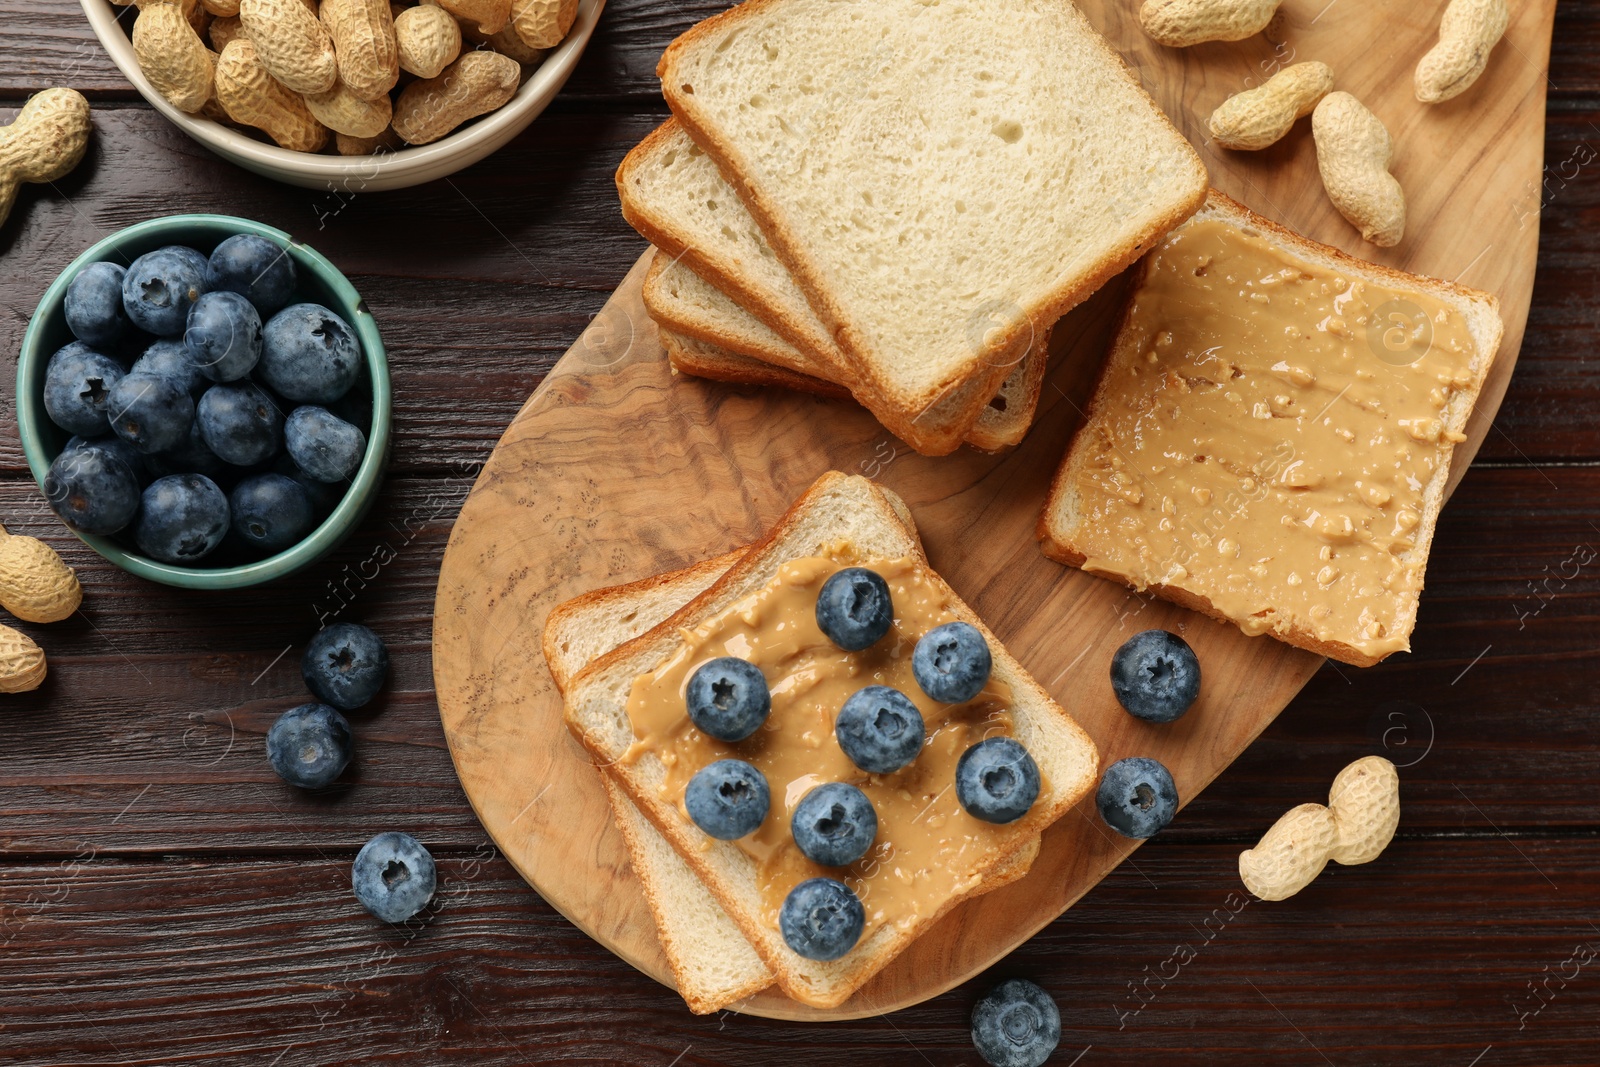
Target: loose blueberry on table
<point x="393" y="876"/>
<point x="821" y="919"/>
<point x="1137" y="797"/>
<point x="1016" y="1024"/>
<point x="728" y="799"/>
<point x="219" y="356"/>
<point x="834" y="824"/>
<point x="310" y="746"/>
<point x="1156" y="676"/>
<point x="345" y="665"/>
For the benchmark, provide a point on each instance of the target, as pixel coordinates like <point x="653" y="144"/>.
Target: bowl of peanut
<point x="352" y="94"/>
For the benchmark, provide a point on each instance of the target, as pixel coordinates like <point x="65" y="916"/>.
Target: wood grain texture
<point x="614" y="443"/>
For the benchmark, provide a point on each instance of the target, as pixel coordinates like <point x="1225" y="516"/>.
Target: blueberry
<point x="834" y="824"/>
<point x="92" y="490"/>
<point x="996" y="780"/>
<point x="224" y="336"/>
<point x="93" y="305"/>
<point x="728" y="698"/>
<point x="149" y="412"/>
<point x="160" y="288"/>
<point x="170" y="359"/>
<point x="309" y="746"/>
<point x="854" y="609"/>
<point x="182" y="518"/>
<point x="270" y="512"/>
<point x="192" y="256"/>
<point x="821" y="919"/>
<point x="951" y="662"/>
<point x="137" y="461"/>
<point x="393" y="876"/>
<point x="1137" y="797"/>
<point x="309" y="354"/>
<point x="1156" y="676"/>
<point x="256" y="269"/>
<point x="240" y="422"/>
<point x="880" y="729"/>
<point x="323" y="445"/>
<point x="345" y="665"/>
<point x="191" y="456"/>
<point x="77" y="381"/>
<point x="727" y="799"/>
<point x="1016" y="1024"/>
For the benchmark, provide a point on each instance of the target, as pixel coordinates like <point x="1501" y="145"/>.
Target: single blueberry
<point x="270" y="512"/>
<point x="996" y="780"/>
<point x="93" y="490"/>
<point x="309" y="746"/>
<point x="821" y="919"/>
<point x="159" y="289"/>
<point x="256" y="269"/>
<point x="323" y="445"/>
<point x="240" y="422"/>
<point x="728" y="698"/>
<point x="309" y="354"/>
<point x="1137" y="797"/>
<point x="727" y="799"/>
<point x="77" y="382"/>
<point x="393" y="876"/>
<point x="345" y="665"/>
<point x="1016" y="1024"/>
<point x="834" y="824"/>
<point x="93" y="305"/>
<point x="195" y="258"/>
<point x="182" y="518"/>
<point x="1156" y="676"/>
<point x="224" y="336"/>
<point x="952" y="662"/>
<point x="150" y="412"/>
<point x="191" y="456"/>
<point x="137" y="461"/>
<point x="854" y="609"/>
<point x="167" y="358"/>
<point x="880" y="729"/>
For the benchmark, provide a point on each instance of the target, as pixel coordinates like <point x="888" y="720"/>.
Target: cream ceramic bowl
<point x="393" y="170"/>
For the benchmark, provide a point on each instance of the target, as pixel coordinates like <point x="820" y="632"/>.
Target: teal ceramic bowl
<point x="319" y="281"/>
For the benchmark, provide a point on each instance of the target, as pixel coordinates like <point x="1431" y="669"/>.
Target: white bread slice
<point x="706" y="334"/>
<point x="939" y="178"/>
<point x="1061" y="527"/>
<point x="712" y="963"/>
<point x="838" y="507"/>
<point x="720" y="281"/>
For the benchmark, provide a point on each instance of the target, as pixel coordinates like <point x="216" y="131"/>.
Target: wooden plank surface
<point x="217" y="898"/>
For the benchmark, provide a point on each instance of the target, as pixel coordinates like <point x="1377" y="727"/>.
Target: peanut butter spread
<point x="928" y="848"/>
<point x="1269" y="447"/>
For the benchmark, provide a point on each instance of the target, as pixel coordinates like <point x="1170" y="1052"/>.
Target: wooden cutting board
<point x="616" y="469"/>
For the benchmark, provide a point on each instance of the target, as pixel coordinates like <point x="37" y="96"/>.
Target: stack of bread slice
<point x="896" y="201"/>
<point x="719" y="941"/>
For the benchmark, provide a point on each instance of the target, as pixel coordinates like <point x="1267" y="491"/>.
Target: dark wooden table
<point x="165" y="899"/>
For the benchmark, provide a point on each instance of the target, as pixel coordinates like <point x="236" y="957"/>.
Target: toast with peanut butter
<point x="712" y="963"/>
<point x="930" y="853"/>
<point x="1270" y="440"/>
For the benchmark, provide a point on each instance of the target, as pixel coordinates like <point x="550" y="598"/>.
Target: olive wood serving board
<point x="616" y="469"/>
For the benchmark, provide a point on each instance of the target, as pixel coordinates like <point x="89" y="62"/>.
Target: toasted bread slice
<point x="720" y="282"/>
<point x="940" y="179"/>
<point x="1133" y="379"/>
<point x="707" y="335"/>
<point x="712" y="963"/>
<point x="838" y="508"/>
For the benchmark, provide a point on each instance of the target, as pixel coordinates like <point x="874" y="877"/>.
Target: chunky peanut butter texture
<point x="928" y="848"/>
<point x="1270" y="449"/>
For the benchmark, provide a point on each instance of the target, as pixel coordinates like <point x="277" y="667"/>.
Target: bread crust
<point x="981" y="375"/>
<point x="1056" y="541"/>
<point x="704" y="359"/>
<point x="821" y="985"/>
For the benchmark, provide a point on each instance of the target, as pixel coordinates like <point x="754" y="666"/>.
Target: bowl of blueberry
<point x="205" y="401"/>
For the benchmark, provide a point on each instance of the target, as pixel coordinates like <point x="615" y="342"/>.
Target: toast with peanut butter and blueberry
<point x="832" y="742"/>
